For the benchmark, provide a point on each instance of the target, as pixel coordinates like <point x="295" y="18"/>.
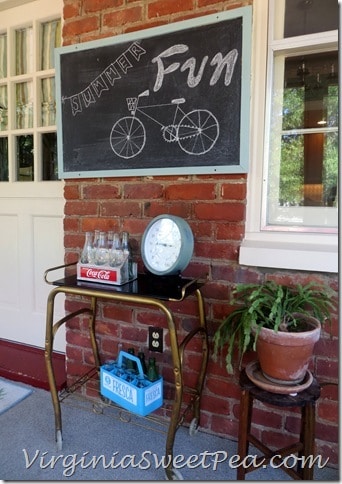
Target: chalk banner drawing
<point x="167" y="100"/>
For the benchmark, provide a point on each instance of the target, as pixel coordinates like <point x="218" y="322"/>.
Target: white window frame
<point x="18" y="14"/>
<point x="295" y="248"/>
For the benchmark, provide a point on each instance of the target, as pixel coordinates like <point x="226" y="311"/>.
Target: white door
<point x="31" y="197"/>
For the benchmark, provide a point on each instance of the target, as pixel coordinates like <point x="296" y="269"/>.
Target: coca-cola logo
<point x="100" y="274"/>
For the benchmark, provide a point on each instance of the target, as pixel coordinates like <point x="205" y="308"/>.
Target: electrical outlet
<point x="155" y="340"/>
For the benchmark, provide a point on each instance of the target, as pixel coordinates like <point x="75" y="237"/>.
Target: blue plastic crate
<point x="115" y="385"/>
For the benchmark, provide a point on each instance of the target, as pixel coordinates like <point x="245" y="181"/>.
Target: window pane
<point x="311" y="91"/>
<point x="48" y="114"/>
<point x="49" y="154"/>
<point x="307" y="177"/>
<point x="27" y="96"/>
<point x="25" y="158"/>
<point x="308" y="181"/>
<point x="3" y="56"/>
<point x="24" y="105"/>
<point x="3" y="108"/>
<point x="50" y="38"/>
<point x="310" y="16"/>
<point x="24" y="51"/>
<point x="303" y="163"/>
<point x="3" y="159"/>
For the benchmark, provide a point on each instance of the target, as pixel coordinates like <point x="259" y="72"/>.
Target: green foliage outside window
<point x="291" y="183"/>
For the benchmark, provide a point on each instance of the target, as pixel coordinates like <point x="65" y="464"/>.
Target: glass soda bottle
<point x="109" y="365"/>
<point x="96" y="238"/>
<point x="152" y="373"/>
<point x="127" y="254"/>
<point x="110" y="236"/>
<point x="116" y="256"/>
<point x="101" y="255"/>
<point x="87" y="251"/>
<point x="130" y="364"/>
<point x="141" y="382"/>
<point x="141" y="357"/>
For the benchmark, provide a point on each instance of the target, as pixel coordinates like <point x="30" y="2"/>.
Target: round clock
<point x="167" y="245"/>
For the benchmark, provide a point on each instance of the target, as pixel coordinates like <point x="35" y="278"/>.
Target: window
<point x="28" y="141"/>
<point x="292" y="193"/>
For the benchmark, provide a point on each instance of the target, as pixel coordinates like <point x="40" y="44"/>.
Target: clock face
<point x="167" y="245"/>
<point x="162" y="245"/>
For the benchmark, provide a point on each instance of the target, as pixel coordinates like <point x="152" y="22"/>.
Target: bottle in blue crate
<point x="152" y="372"/>
<point x="141" y="357"/>
<point x="119" y="370"/>
<point x="141" y="382"/>
<point x="109" y="365"/>
<point x="130" y="364"/>
<point x="130" y="376"/>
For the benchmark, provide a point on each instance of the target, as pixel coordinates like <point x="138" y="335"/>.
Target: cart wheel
<point x="175" y="475"/>
<point x="98" y="408"/>
<point x="59" y="439"/>
<point x="105" y="400"/>
<point x="193" y="428"/>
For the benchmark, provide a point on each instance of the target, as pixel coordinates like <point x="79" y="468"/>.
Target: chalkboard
<point x="166" y="100"/>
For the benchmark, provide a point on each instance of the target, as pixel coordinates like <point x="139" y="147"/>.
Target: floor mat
<point x="11" y="394"/>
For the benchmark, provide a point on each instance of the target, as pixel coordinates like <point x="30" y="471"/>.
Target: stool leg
<point x="246" y="403"/>
<point x="307" y="438"/>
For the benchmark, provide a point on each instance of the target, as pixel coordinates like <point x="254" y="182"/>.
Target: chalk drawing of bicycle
<point x="195" y="131"/>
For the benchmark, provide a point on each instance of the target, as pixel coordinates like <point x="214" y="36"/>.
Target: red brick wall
<point x="214" y="206"/>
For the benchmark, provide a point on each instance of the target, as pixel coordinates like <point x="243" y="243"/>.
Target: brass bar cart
<point x="146" y="290"/>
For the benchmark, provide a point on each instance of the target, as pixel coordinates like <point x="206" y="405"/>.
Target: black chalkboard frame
<point x="80" y="156"/>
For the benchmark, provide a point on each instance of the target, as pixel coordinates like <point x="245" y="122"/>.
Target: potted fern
<point x="281" y="323"/>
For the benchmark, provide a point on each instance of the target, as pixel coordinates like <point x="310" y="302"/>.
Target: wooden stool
<point x="305" y="399"/>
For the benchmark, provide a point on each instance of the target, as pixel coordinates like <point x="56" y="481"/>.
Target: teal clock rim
<point x="186" y="250"/>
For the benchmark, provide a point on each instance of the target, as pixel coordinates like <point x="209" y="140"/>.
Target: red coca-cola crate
<point x="106" y="274"/>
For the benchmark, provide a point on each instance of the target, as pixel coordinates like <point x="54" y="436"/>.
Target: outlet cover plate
<point x="155" y="339"/>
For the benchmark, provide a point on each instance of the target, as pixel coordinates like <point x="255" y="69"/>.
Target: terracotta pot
<point x="284" y="357"/>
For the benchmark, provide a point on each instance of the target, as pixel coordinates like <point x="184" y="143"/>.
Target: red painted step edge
<point x="26" y="364"/>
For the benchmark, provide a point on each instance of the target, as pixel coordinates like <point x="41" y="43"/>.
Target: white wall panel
<point x="32" y="242"/>
<point x="9" y="261"/>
